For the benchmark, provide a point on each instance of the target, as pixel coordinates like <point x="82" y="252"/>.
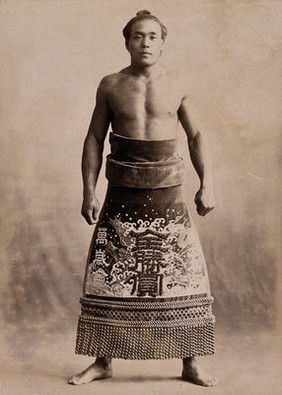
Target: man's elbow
<point x="92" y="141"/>
<point x="194" y="139"/>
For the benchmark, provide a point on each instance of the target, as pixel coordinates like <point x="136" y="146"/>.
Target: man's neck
<point x="147" y="71"/>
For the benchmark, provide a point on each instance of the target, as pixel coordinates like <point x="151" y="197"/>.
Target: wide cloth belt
<point x="145" y="175"/>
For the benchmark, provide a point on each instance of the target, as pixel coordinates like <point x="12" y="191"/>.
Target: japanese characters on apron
<point x="146" y="289"/>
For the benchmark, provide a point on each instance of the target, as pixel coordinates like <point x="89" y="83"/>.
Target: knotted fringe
<point x="129" y="342"/>
<point x="147" y="333"/>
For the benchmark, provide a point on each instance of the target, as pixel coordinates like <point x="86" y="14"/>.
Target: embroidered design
<point x="146" y="291"/>
<point x="146" y="258"/>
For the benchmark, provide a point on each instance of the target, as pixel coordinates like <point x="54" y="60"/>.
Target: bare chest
<point x="133" y="98"/>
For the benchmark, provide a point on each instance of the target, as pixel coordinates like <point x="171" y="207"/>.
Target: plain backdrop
<point x="53" y="55"/>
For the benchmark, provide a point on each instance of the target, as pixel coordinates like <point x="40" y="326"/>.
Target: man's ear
<point x="161" y="51"/>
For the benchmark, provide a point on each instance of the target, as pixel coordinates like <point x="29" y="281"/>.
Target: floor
<point x="40" y="364"/>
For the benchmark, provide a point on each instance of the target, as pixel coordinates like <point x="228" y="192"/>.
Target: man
<point x="146" y="291"/>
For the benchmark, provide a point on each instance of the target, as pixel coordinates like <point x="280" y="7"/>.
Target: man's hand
<point x="204" y="200"/>
<point x="90" y="209"/>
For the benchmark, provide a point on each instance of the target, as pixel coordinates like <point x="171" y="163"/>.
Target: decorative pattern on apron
<point x="146" y="290"/>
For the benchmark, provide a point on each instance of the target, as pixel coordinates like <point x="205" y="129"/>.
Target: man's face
<point x="145" y="43"/>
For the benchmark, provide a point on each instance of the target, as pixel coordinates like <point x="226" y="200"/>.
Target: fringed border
<point x="143" y="340"/>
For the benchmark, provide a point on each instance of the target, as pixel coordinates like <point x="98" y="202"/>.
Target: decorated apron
<point x="146" y="291"/>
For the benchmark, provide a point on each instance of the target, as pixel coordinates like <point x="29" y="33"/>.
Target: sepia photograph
<point x="140" y="197"/>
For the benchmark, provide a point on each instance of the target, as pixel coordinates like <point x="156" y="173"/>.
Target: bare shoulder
<point x="108" y="81"/>
<point x="114" y="78"/>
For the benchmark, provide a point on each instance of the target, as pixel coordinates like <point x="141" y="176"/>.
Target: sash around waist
<point x="128" y="149"/>
<point x="145" y="175"/>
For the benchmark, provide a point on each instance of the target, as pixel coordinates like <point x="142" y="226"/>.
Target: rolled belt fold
<point x="145" y="175"/>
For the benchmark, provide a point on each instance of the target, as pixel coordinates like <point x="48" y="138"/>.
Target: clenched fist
<point x="90" y="209"/>
<point x="204" y="200"/>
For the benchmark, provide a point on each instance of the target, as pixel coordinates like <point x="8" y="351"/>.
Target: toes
<point x="205" y="381"/>
<point x="90" y="375"/>
<point x="213" y="381"/>
<point x="74" y="380"/>
<point x="210" y="381"/>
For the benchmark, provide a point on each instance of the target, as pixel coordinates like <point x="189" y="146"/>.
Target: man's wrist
<point x="89" y="195"/>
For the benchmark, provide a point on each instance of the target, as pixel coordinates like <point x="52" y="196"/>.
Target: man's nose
<point x="145" y="42"/>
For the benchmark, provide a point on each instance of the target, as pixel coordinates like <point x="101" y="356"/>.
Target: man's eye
<point x="153" y="37"/>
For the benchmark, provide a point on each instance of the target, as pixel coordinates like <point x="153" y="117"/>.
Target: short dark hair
<point x="140" y="15"/>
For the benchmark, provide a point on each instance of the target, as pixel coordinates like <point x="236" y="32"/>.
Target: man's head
<point x="144" y="38"/>
<point x="142" y="15"/>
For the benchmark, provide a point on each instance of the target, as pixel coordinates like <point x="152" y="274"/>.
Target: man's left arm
<point x="200" y="158"/>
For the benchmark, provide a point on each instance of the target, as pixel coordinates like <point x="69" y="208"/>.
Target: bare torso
<point x="144" y="107"/>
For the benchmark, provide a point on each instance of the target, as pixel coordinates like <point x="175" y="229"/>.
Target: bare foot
<point x="100" y="369"/>
<point x="193" y="373"/>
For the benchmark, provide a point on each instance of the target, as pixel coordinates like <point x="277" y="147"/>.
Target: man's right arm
<point x="93" y="154"/>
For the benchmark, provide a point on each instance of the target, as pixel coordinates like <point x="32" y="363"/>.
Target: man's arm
<point x="93" y="154"/>
<point x="200" y="159"/>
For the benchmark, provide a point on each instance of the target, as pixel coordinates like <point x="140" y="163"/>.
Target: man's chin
<point x="147" y="63"/>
